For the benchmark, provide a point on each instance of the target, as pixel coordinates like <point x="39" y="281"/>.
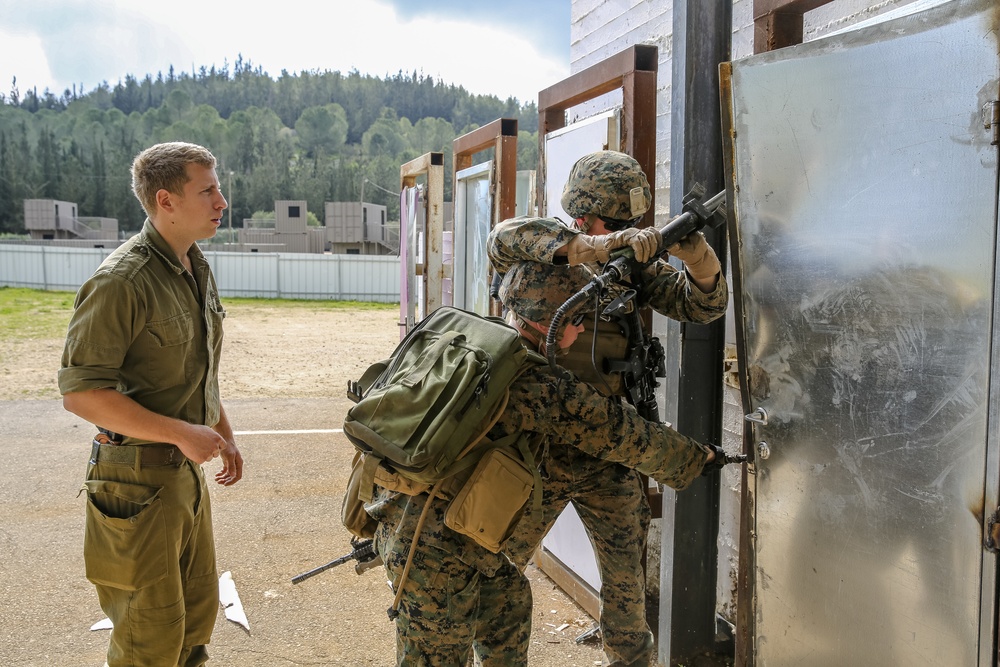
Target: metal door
<point x="864" y="252"/>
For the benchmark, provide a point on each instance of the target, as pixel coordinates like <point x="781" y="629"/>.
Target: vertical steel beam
<point x="701" y="41"/>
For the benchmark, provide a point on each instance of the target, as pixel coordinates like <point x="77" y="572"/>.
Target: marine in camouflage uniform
<point x="608" y="190"/>
<point x="458" y="596"/>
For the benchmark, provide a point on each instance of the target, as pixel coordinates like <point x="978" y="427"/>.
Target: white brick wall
<point x="601" y="29"/>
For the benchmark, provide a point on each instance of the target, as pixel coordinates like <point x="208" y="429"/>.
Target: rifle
<point x="646" y="359"/>
<point x="362" y="551"/>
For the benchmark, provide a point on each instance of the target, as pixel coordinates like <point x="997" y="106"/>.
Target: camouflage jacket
<point x="564" y="413"/>
<point x="661" y="287"/>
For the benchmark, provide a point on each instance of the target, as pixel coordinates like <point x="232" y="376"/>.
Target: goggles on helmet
<point x="617" y="224"/>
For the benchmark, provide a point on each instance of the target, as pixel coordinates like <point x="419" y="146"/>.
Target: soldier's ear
<point x="164" y="200"/>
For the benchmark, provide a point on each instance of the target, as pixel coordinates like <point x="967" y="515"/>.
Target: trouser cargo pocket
<point x="124" y="545"/>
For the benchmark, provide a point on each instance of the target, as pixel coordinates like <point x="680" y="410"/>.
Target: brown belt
<point x="135" y="456"/>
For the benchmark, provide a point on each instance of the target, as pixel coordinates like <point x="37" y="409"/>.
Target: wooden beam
<point x="632" y="70"/>
<point x="430" y="165"/>
<point x="501" y="136"/>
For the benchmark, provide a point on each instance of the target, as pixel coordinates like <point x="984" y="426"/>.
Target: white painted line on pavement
<point x="299" y="431"/>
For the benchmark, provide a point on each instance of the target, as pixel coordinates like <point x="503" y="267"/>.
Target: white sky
<point x="57" y="43"/>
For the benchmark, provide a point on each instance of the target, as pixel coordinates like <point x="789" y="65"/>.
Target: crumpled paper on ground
<point x="230" y="600"/>
<point x="228" y="597"/>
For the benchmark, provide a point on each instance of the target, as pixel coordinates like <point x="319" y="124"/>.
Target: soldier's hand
<point x="699" y="257"/>
<point x="232" y="465"/>
<point x="201" y="444"/>
<point x="720" y="459"/>
<point x="644" y="242"/>
<point x="584" y="248"/>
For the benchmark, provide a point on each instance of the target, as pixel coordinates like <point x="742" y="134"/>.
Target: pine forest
<point x="314" y="136"/>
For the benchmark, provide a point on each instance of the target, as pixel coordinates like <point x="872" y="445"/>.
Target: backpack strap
<point x="368" y="478"/>
<point x="430" y="357"/>
<point x="529" y="460"/>
<point x="393" y="611"/>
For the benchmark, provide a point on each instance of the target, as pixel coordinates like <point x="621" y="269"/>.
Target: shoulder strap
<point x="368" y="478"/>
<point x="356" y="389"/>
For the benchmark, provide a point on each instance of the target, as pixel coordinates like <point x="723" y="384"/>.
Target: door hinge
<point x="991" y="533"/>
<point x="991" y="119"/>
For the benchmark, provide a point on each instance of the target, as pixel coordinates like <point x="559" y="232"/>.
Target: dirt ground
<point x="283" y="377"/>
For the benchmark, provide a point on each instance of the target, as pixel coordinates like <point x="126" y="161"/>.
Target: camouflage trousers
<point x="611" y="502"/>
<point x="450" y="611"/>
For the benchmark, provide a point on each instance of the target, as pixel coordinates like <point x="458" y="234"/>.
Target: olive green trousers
<point x="150" y="552"/>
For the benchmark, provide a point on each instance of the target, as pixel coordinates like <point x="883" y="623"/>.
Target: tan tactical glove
<point x="583" y="248"/>
<point x="697" y="255"/>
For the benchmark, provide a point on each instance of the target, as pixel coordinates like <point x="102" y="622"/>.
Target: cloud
<point x="90" y="42"/>
<point x="31" y="67"/>
<point x="545" y="23"/>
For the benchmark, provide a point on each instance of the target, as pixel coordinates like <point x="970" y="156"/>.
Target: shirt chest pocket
<point x="170" y="343"/>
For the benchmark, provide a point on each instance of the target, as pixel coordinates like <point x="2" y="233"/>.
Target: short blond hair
<point x="164" y="167"/>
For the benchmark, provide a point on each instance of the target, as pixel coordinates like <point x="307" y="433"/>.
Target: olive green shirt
<point x="146" y="327"/>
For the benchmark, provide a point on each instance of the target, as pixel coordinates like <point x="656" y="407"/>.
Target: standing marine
<point x="607" y="194"/>
<point x="458" y="597"/>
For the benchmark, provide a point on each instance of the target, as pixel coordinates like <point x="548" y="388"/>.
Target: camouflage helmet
<point x="608" y="184"/>
<point x="534" y="291"/>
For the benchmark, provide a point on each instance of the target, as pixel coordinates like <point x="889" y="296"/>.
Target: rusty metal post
<point x="778" y="23"/>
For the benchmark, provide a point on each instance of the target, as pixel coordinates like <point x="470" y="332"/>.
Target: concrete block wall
<point x="600" y="29"/>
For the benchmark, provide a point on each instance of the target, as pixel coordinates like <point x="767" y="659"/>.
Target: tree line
<point x="312" y="135"/>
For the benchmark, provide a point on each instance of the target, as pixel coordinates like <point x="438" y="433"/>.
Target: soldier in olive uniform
<point x="141" y="362"/>
<point x="607" y="193"/>
<point x="458" y="596"/>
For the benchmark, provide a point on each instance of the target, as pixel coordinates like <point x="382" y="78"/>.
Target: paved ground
<point x="281" y="520"/>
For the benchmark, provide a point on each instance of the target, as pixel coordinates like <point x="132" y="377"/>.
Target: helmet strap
<point x="527" y="331"/>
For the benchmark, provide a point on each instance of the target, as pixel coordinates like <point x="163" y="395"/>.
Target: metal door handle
<point x="758" y="416"/>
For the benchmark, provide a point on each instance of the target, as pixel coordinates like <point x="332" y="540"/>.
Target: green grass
<point x="28" y="313"/>
<point x="307" y="304"/>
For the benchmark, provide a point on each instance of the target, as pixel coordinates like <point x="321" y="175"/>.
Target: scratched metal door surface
<point x="864" y="261"/>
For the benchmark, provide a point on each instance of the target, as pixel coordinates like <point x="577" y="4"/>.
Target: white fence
<point x="264" y="275"/>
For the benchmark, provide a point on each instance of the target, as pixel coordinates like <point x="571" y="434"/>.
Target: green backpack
<point x="423" y="415"/>
<point x="422" y="411"/>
